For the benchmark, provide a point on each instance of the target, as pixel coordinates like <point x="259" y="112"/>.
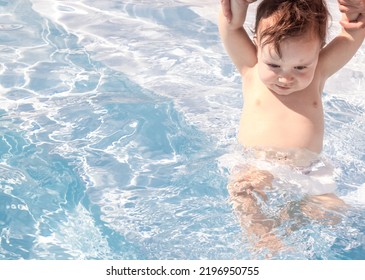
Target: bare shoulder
<point x="340" y="51"/>
<point x="236" y="41"/>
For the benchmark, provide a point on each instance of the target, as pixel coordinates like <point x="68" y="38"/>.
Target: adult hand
<point x="226" y="8"/>
<point x="353" y="7"/>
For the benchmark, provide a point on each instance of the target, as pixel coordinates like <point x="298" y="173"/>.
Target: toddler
<point x="284" y="70"/>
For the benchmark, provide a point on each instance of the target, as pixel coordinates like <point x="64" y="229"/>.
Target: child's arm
<point x="235" y="39"/>
<point x="343" y="47"/>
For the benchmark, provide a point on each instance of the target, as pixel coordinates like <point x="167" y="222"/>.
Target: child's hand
<point x="226" y="7"/>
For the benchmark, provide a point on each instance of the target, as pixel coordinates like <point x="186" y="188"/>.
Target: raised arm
<point x="235" y="39"/>
<point x="343" y="47"/>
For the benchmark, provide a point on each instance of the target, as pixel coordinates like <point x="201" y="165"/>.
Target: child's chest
<point x="306" y="103"/>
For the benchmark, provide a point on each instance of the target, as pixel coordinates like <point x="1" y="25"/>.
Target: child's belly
<point x="298" y="132"/>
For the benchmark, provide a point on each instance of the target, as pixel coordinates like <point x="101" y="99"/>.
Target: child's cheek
<point x="266" y="75"/>
<point x="306" y="78"/>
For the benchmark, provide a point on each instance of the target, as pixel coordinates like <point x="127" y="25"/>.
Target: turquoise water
<point x="117" y="131"/>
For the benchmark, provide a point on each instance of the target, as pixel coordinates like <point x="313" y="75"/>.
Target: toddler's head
<point x="278" y="20"/>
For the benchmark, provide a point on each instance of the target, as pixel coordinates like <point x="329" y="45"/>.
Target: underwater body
<point x="118" y="123"/>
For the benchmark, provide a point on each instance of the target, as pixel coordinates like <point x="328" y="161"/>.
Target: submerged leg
<point x="324" y="208"/>
<point x="246" y="188"/>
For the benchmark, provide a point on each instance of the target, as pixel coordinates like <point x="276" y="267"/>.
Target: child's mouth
<point x="283" y="87"/>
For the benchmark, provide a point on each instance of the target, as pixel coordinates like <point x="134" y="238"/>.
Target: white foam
<point x="356" y="197"/>
<point x="77" y="236"/>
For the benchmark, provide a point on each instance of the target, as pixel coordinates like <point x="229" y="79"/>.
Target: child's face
<point x="294" y="70"/>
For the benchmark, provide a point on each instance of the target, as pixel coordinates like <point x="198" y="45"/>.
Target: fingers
<point x="358" y="24"/>
<point x="226" y="8"/>
<point x="352" y="25"/>
<point x="352" y="6"/>
<point x="344" y="9"/>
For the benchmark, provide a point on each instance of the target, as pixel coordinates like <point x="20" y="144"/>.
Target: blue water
<point x="117" y="124"/>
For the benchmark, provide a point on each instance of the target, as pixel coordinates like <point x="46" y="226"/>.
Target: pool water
<point x="117" y="131"/>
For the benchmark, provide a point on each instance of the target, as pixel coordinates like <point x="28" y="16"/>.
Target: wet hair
<point x="291" y="18"/>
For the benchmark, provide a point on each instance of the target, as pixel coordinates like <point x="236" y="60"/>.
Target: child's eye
<point x="273" y="65"/>
<point x="300" y="67"/>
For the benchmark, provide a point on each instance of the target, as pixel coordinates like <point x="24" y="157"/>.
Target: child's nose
<point x="285" y="79"/>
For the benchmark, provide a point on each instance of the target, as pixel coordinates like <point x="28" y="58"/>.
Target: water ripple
<point x="10" y="26"/>
<point x="112" y="118"/>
